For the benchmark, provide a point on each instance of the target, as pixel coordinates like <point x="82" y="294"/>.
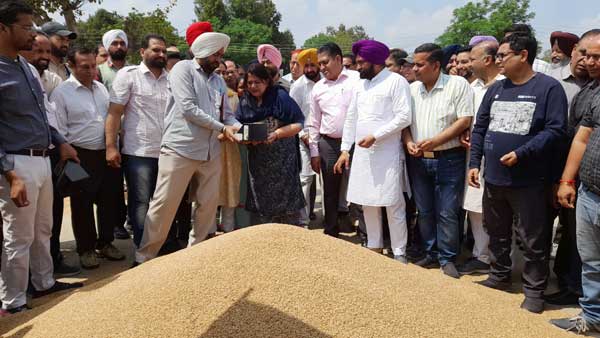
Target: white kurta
<point x="380" y="107"/>
<point x="300" y="92"/>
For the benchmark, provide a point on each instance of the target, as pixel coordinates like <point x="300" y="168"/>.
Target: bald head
<point x="483" y="60"/>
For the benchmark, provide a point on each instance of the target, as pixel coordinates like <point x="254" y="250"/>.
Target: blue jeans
<point x="141" y="174"/>
<point x="438" y="187"/>
<point x="588" y="243"/>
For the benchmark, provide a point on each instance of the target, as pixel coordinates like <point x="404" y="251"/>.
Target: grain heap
<point x="281" y="281"/>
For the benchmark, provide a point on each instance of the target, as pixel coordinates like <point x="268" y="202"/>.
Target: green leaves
<point x="341" y="36"/>
<point x="484" y="18"/>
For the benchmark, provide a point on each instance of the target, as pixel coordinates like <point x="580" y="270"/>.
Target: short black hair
<point x="10" y="9"/>
<point x="174" y="55"/>
<point x="591" y="32"/>
<point x="398" y="55"/>
<point x="260" y="71"/>
<point x="436" y="54"/>
<point x="522" y="41"/>
<point x="518" y="28"/>
<point x="351" y="57"/>
<point x="465" y="49"/>
<point x="71" y="55"/>
<point x="148" y="37"/>
<point x="330" y="49"/>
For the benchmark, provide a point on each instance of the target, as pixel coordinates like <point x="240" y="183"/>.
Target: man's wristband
<point x="567" y="182"/>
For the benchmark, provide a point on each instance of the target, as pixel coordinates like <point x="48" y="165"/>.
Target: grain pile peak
<point x="281" y="281"/>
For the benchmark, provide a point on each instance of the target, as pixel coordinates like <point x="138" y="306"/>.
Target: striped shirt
<point x="450" y="99"/>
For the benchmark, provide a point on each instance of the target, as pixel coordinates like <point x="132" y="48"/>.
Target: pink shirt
<point x="328" y="106"/>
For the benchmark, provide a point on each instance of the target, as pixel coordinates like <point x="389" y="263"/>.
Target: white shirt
<point x="380" y="107"/>
<point x="145" y="100"/>
<point x="474" y="196"/>
<point x="541" y="66"/>
<point x="300" y="92"/>
<point x="450" y="99"/>
<point x="50" y="107"/>
<point x="80" y="113"/>
<point x="50" y="81"/>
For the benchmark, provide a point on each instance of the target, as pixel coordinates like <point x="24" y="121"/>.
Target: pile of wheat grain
<point x="281" y="281"/>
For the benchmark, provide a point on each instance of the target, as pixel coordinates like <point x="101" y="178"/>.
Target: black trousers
<point x="57" y="213"/>
<point x="500" y="205"/>
<point x="102" y="189"/>
<point x="329" y="152"/>
<point x="567" y="263"/>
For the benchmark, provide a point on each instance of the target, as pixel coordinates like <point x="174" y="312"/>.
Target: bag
<point x="71" y="178"/>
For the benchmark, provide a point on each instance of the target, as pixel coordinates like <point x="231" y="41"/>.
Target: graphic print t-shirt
<point x="529" y="119"/>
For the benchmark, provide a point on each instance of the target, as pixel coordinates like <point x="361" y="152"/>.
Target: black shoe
<point x="450" y="270"/>
<point x="121" y="233"/>
<point x="563" y="297"/>
<point x="428" y="263"/>
<point x="577" y="325"/>
<point x="535" y="305"/>
<point x="64" y="270"/>
<point x="58" y="286"/>
<point x="490" y="283"/>
<point x="473" y="266"/>
<point x="18" y="309"/>
<point x="312" y="216"/>
<point x="135" y="263"/>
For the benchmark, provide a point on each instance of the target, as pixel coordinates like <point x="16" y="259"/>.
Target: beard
<point x="59" y="52"/>
<point x="313" y="76"/>
<point x="367" y="73"/>
<point x="118" y="55"/>
<point x="41" y="65"/>
<point x="157" y="63"/>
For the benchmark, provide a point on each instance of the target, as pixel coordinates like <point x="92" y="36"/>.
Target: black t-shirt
<point x="589" y="172"/>
<point x="528" y="119"/>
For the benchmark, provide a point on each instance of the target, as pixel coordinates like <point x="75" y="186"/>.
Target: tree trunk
<point x="69" y="15"/>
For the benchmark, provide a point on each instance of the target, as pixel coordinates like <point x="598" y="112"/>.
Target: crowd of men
<point x="461" y="146"/>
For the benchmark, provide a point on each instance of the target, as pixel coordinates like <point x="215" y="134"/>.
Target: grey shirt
<point x="194" y="112"/>
<point x="569" y="83"/>
<point x="23" y="119"/>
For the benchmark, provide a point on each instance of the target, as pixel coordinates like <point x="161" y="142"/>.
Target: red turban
<point x="566" y="41"/>
<point x="195" y="29"/>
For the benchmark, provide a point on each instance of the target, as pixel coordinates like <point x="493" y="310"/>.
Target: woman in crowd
<point x="274" y="191"/>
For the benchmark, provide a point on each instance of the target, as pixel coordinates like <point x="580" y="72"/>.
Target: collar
<point x="344" y="73"/>
<point x="72" y="79"/>
<point x="380" y="76"/>
<point x="146" y="70"/>
<point x="439" y="84"/>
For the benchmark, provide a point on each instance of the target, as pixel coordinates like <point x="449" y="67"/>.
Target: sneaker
<point x="64" y="270"/>
<point x="58" y="286"/>
<point x="563" y="297"/>
<point x="449" y="269"/>
<point x="18" y="309"/>
<point x="401" y="258"/>
<point x="121" y="233"/>
<point x="577" y="325"/>
<point x="111" y="253"/>
<point x="428" y="263"/>
<point x="493" y="284"/>
<point x="535" y="305"/>
<point x="89" y="260"/>
<point x="473" y="266"/>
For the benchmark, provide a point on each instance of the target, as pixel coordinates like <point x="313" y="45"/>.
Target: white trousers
<point x="306" y="182"/>
<point x="480" y="236"/>
<point x="27" y="231"/>
<point x="174" y="174"/>
<point x="396" y="215"/>
<point x="228" y="218"/>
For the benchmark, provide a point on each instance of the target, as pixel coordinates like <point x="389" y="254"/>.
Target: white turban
<point x="111" y="35"/>
<point x="209" y="43"/>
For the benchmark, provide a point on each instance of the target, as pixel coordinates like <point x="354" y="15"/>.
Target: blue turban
<point x="448" y="52"/>
<point x="372" y="51"/>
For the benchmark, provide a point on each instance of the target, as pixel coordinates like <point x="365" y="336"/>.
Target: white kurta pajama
<point x="380" y="107"/>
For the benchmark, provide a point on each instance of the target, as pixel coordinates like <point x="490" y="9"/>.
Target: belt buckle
<point x="428" y="154"/>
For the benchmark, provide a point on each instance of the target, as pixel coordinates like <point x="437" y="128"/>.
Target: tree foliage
<point x="136" y="24"/>
<point x="484" y="18"/>
<point x="69" y="9"/>
<point x="248" y="23"/>
<point x="342" y="36"/>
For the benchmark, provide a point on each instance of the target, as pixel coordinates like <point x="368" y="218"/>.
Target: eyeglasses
<point x="595" y="57"/>
<point x="500" y="56"/>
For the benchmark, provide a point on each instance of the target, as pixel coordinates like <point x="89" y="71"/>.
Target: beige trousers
<point x="174" y="174"/>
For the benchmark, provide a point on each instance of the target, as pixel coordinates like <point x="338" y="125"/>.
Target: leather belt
<point x="439" y="153"/>
<point x="30" y="152"/>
